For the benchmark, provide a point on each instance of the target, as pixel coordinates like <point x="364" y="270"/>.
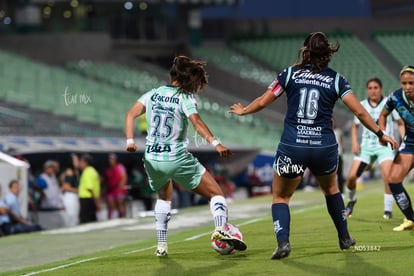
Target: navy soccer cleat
<point x="282" y="250"/>
<point x="347" y="242"/>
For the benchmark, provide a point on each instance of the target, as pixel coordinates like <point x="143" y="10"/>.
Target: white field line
<point x="142" y="249"/>
<point x="83" y="228"/>
<point x="296" y="211"/>
<point x="61" y="266"/>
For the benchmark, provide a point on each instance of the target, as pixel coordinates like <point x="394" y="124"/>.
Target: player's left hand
<point x="237" y="109"/>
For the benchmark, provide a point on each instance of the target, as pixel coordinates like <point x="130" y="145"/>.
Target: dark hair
<point x="189" y="74"/>
<point x="12" y="182"/>
<point x="87" y="158"/>
<point x="316" y="51"/>
<point x="374" y="79"/>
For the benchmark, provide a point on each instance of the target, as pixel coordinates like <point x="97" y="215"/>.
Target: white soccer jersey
<point x="370" y="139"/>
<point x="167" y="111"/>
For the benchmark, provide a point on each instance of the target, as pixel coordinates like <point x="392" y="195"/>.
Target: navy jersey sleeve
<point x="389" y="104"/>
<point x="283" y="77"/>
<point x="342" y="86"/>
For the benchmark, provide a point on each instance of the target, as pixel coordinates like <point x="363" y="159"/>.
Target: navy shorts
<point x="291" y="161"/>
<point x="406" y="148"/>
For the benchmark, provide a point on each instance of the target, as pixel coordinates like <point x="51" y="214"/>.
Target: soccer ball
<point x="223" y="247"/>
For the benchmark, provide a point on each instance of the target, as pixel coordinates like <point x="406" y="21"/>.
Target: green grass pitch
<point x="315" y="249"/>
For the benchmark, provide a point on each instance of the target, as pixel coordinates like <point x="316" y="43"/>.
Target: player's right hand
<point x="385" y="140"/>
<point x="131" y="148"/>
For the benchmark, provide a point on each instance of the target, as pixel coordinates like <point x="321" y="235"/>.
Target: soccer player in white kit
<point x="168" y="109"/>
<point x="370" y="149"/>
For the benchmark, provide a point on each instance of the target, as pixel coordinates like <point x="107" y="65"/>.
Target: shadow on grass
<point x="354" y="265"/>
<point x="171" y="267"/>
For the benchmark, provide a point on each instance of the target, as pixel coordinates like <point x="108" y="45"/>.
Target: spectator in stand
<point x="89" y="190"/>
<point x="221" y="176"/>
<point x="56" y="167"/>
<point x="256" y="185"/>
<point x="142" y="125"/>
<point x="51" y="195"/>
<point x="4" y="218"/>
<point x="17" y="223"/>
<point x="184" y="196"/>
<point x="34" y="191"/>
<point x="145" y="193"/>
<point x="70" y="183"/>
<point x="116" y="179"/>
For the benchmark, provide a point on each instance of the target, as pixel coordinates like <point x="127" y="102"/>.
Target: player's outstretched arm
<point x="256" y="105"/>
<point x="355" y="106"/>
<point x="136" y="110"/>
<point x="203" y="130"/>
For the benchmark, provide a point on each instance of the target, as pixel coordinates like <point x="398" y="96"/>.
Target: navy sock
<point x="402" y="199"/>
<point x="336" y="209"/>
<point x="281" y="221"/>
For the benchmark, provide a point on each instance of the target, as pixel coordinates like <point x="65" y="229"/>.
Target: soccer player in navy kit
<point x="402" y="100"/>
<point x="308" y="140"/>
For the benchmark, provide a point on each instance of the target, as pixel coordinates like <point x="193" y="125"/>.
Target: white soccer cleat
<point x="162" y="249"/>
<point x="222" y="235"/>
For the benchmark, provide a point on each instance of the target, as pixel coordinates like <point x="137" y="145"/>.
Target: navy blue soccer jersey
<point x="310" y="98"/>
<point x="398" y="101"/>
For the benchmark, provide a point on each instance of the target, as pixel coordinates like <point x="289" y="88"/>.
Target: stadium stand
<point x="33" y="93"/>
<point x="215" y="114"/>
<point x="240" y="64"/>
<point x="117" y="75"/>
<point x="392" y="41"/>
<point x="60" y="92"/>
<point x="91" y="99"/>
<point x="85" y="90"/>
<point x="277" y="51"/>
<point x="21" y="120"/>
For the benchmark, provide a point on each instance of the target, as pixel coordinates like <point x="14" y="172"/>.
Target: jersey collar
<point x="369" y="102"/>
<point x="410" y="103"/>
